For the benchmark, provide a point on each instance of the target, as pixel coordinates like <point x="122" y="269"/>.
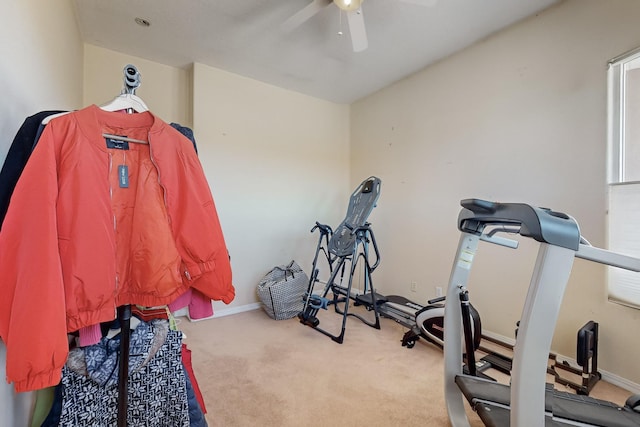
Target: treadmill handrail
<point x="606" y="257"/>
<point x="497" y="240"/>
<point x="541" y="224"/>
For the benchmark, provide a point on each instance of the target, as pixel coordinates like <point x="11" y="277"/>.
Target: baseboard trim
<point x="620" y="382"/>
<point x="184" y="312"/>
<point x="236" y="310"/>
<point x="499" y="337"/>
<point x="607" y="376"/>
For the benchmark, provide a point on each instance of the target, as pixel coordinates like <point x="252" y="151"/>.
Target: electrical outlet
<point x="414" y="287"/>
<point x="438" y="291"/>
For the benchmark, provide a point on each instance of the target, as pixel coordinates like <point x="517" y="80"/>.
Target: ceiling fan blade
<point x="357" y="30"/>
<point x="428" y="3"/>
<point x="304" y="14"/>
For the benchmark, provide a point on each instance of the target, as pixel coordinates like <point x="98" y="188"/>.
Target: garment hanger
<point x="53" y="116"/>
<point x="124" y="138"/>
<point x="124" y="101"/>
<point x="128" y="101"/>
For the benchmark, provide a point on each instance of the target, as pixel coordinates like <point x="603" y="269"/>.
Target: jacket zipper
<point x="117" y="282"/>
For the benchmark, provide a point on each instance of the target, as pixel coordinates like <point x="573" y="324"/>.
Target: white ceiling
<point x="245" y="37"/>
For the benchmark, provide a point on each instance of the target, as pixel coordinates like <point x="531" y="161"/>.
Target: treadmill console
<point x="541" y="224"/>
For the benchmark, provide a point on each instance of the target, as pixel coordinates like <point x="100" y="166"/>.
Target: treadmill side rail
<point x="603" y="256"/>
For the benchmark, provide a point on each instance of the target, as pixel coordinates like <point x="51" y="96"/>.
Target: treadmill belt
<point x="593" y="411"/>
<point x="563" y="405"/>
<point x="475" y="389"/>
<point x="497" y="416"/>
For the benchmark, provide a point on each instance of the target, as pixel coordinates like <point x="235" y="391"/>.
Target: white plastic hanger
<point x="129" y="102"/>
<point x="126" y="101"/>
<point x="53" y="116"/>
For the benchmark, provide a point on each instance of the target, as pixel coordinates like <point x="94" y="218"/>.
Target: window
<point x="624" y="173"/>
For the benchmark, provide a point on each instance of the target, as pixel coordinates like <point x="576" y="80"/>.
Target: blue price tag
<point x="123" y="176"/>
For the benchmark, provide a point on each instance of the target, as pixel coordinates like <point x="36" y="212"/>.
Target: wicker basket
<point x="282" y="291"/>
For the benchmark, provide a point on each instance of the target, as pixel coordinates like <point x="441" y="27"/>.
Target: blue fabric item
<point x="53" y="419"/>
<point x="196" y="417"/>
<point x="186" y="132"/>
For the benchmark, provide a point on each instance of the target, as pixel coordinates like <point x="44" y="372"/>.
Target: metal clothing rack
<point x="131" y="83"/>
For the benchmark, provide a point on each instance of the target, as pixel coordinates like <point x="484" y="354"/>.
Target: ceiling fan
<point x="355" y="18"/>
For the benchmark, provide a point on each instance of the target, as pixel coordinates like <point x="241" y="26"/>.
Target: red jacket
<point x="75" y="244"/>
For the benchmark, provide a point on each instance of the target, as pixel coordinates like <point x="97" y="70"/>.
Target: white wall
<point x="518" y="117"/>
<point x="40" y="69"/>
<point x="276" y="161"/>
<point x="40" y="62"/>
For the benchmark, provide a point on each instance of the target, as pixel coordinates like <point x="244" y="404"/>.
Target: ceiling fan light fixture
<point x="348" y="5"/>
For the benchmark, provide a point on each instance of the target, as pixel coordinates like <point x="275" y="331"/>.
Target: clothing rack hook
<point x="132" y="79"/>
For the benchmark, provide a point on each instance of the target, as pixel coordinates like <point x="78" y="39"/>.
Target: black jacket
<point x="19" y="152"/>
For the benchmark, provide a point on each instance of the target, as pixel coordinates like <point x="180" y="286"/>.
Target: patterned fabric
<point x="102" y="359"/>
<point x="157" y="385"/>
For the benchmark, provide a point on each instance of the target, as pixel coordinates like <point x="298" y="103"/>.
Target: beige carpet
<point x="255" y="371"/>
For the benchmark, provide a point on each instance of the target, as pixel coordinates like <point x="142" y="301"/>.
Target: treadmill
<point x="528" y="401"/>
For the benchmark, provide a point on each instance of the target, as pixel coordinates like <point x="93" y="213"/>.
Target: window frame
<point x="616" y="177"/>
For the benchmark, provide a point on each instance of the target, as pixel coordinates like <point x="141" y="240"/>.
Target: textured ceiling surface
<point x="247" y="37"/>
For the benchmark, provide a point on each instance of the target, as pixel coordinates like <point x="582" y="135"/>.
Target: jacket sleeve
<point x="32" y="307"/>
<point x="212" y="275"/>
<point x="195" y="223"/>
